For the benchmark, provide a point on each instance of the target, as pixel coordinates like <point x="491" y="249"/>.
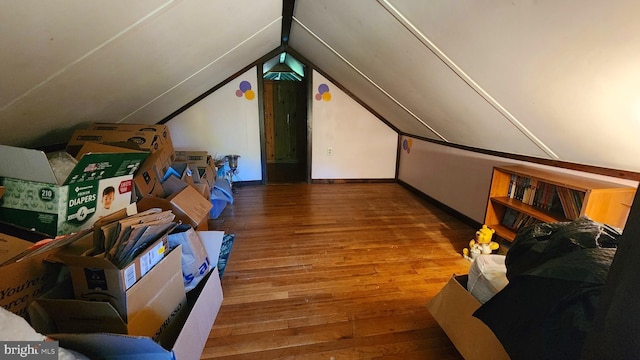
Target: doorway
<point x="285" y="120"/>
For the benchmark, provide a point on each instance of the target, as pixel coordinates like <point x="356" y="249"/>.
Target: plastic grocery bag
<point x="487" y="276"/>
<point x="195" y="262"/>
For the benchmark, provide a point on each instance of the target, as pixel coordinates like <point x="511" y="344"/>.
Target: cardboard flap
<point x="26" y="164"/>
<point x="11" y="246"/>
<point x="195" y="331"/>
<point x="190" y="203"/>
<point x="86" y="261"/>
<point x="91" y="147"/>
<point x="453" y="309"/>
<point x="113" y="347"/>
<point x="93" y="312"/>
<point x="147" y="178"/>
<point x="177" y="169"/>
<point x="172" y="185"/>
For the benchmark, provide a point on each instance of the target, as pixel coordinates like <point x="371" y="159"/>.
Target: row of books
<point x="546" y="196"/>
<point x="571" y="201"/>
<point x="515" y="219"/>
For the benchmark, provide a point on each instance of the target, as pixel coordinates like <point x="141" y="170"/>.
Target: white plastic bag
<point x="195" y="262"/>
<point x="487" y="276"/>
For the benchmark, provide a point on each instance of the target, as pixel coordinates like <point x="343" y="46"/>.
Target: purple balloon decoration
<point x="405" y="144"/>
<point x="245" y="85"/>
<point x="323" y="88"/>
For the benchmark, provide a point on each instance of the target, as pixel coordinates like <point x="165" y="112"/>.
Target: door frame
<point x="262" y="125"/>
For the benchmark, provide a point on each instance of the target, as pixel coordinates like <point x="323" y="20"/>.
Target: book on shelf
<point x="514" y="219"/>
<point x="545" y="196"/>
<point x="522" y="188"/>
<point x="571" y="201"/>
<point x="514" y="187"/>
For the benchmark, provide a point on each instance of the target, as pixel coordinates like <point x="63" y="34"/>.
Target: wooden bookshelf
<point x="520" y="196"/>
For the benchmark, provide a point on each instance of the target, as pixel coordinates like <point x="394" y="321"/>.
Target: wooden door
<point x="285" y="130"/>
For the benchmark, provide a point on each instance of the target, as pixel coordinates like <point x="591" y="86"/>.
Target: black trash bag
<point x="536" y="244"/>
<point x="556" y="274"/>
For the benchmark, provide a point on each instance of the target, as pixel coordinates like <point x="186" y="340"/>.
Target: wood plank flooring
<point x="334" y="271"/>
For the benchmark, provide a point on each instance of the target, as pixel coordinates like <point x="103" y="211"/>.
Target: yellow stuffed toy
<point x="482" y="243"/>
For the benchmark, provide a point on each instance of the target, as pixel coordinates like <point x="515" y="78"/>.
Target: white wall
<point x="224" y="123"/>
<point x="362" y="146"/>
<point x="458" y="178"/>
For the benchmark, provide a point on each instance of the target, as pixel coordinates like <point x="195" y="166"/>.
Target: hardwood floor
<point x="335" y="271"/>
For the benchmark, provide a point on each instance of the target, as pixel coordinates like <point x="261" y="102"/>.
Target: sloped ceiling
<point x="550" y="79"/>
<point x="70" y="62"/>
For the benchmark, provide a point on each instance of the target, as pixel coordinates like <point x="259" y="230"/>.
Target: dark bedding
<point x="556" y="273"/>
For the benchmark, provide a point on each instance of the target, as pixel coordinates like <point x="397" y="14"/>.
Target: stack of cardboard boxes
<point x="107" y="169"/>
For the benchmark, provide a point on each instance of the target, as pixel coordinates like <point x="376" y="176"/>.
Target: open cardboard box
<point x="95" y="278"/>
<point x="208" y="174"/>
<point x="187" y="334"/>
<point x="25" y="279"/>
<point x="182" y="171"/>
<point x="453" y="309"/>
<point x="186" y="202"/>
<point x="35" y="199"/>
<point x="150" y="305"/>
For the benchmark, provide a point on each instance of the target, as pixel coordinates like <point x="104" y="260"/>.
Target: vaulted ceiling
<point x="550" y="79"/>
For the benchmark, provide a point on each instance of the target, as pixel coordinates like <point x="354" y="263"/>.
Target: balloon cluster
<point x="245" y="89"/>
<point x="406" y="145"/>
<point x="323" y="92"/>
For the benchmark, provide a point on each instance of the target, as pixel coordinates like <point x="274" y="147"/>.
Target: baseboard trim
<point x="449" y="210"/>
<point x="353" y="181"/>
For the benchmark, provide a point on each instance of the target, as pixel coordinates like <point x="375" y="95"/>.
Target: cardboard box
<point x="453" y="309"/>
<point x="35" y="199"/>
<point x="89" y="148"/>
<point x="182" y="171"/>
<point x="190" y="175"/>
<point x="186" y="343"/>
<point x="148" y="141"/>
<point x="208" y="175"/>
<point x="151" y="304"/>
<point x="159" y="129"/>
<point x="203" y="189"/>
<point x="95" y="278"/>
<point x="24" y="280"/>
<point x="199" y="158"/>
<point x="147" y="179"/>
<point x="185" y="201"/>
